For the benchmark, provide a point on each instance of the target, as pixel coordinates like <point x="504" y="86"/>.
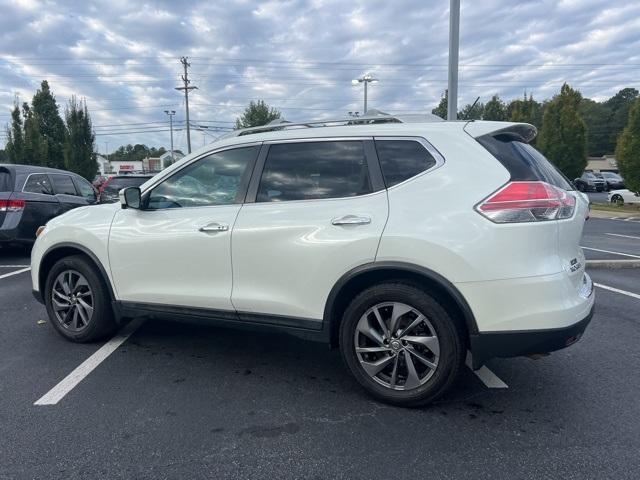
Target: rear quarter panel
<point x="432" y="221"/>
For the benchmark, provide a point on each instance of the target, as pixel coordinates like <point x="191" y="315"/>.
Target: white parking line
<point x="15" y="273"/>
<point x="58" y="392"/>
<point x="613" y="253"/>
<point x="13" y="266"/>
<point x="617" y="290"/>
<point x="486" y="376"/>
<point x="624" y="236"/>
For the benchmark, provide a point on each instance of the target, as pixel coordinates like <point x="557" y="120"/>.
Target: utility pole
<point x="368" y="78"/>
<point x="106" y="152"/>
<point x="454" y="46"/>
<point x="171" y="113"/>
<point x="185" y="79"/>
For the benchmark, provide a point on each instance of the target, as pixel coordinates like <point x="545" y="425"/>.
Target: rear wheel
<point x="400" y="344"/>
<point x="617" y="199"/>
<point x="77" y="301"/>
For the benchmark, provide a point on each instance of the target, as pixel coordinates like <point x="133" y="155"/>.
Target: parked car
<point x="348" y="234"/>
<point x="30" y="196"/>
<point x="613" y="181"/>
<point x="108" y="192"/>
<point x="620" y="197"/>
<point x="589" y="182"/>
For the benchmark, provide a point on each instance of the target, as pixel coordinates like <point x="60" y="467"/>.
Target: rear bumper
<point x="485" y="346"/>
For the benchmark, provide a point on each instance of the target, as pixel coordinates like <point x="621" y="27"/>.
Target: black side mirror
<point x="130" y="197"/>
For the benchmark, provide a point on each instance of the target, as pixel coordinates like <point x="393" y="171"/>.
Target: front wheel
<point x="400" y="344"/>
<point x="77" y="301"/>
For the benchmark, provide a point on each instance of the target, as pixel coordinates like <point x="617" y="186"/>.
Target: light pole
<point x="171" y="113"/>
<point x="454" y="45"/>
<point x="368" y="78"/>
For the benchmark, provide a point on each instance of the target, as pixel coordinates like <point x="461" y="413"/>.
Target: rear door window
<point x="524" y="163"/>
<point x="63" y="184"/>
<point x="402" y="159"/>
<point x="38" y="183"/>
<point x="314" y="170"/>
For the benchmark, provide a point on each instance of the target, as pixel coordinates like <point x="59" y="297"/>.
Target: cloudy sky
<point x="300" y="56"/>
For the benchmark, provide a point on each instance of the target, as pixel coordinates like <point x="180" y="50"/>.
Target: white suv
<point x="404" y="243"/>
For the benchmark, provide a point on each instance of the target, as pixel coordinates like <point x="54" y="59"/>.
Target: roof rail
<point x="373" y="116"/>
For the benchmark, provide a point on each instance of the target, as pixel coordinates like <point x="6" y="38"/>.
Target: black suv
<point x="589" y="182"/>
<point x="31" y="195"/>
<point x="110" y="188"/>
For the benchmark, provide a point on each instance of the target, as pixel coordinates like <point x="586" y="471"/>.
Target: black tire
<point x="617" y="199"/>
<point x="448" y="332"/>
<point x="101" y="322"/>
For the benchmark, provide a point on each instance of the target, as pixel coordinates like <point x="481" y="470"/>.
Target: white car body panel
<point x="87" y="227"/>
<point x="287" y="256"/>
<point x="162" y="257"/>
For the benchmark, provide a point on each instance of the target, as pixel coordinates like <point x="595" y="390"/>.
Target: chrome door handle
<point x="351" y="220"/>
<point x="214" y="227"/>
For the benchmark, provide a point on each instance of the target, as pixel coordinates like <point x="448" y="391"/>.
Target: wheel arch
<point x="366" y="275"/>
<point x="61" y="250"/>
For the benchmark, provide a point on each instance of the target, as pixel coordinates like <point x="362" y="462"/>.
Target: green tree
<point x="596" y="116"/>
<point x="50" y="123"/>
<point x="35" y="145"/>
<point x="628" y="149"/>
<point x="441" y="109"/>
<point x="526" y="110"/>
<point x="15" y="137"/>
<point x="563" y="134"/>
<point x="79" y="140"/>
<point x="4" y="156"/>
<point x="495" y="109"/>
<point x="257" y="114"/>
<point x="472" y="111"/>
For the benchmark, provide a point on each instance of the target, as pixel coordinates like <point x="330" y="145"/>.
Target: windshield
<point x="613" y="176"/>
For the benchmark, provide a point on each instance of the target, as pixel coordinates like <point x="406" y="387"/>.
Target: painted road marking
<point x="13" y="266"/>
<point x="624" y="236"/>
<point x="58" y="392"/>
<point x="617" y="290"/>
<point x="15" y="273"/>
<point x="609" y="251"/>
<point x="486" y="376"/>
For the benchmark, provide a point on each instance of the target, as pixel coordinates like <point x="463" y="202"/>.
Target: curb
<point x="613" y="263"/>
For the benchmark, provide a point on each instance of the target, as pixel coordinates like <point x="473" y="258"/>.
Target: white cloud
<point x="300" y="56"/>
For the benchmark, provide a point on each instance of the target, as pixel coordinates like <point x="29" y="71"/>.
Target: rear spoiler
<point x="522" y="132"/>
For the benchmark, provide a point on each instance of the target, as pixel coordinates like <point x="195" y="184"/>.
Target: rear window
<point x="524" y="163"/>
<point x="118" y="183"/>
<point x="402" y="159"/>
<point x="5" y="181"/>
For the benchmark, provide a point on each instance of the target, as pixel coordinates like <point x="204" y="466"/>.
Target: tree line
<point x="39" y="135"/>
<point x="571" y="127"/>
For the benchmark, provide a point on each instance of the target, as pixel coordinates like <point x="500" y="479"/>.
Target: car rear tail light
<point x="518" y="202"/>
<point x="11" y="205"/>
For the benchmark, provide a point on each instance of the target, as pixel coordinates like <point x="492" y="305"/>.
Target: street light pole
<point x="366" y="79"/>
<point x="454" y="46"/>
<point x="171" y="113"/>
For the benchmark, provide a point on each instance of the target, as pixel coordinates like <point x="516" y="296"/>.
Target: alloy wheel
<point x="72" y="300"/>
<point x="397" y="346"/>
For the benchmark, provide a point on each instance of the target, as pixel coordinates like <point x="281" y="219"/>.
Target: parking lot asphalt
<point x="186" y="401"/>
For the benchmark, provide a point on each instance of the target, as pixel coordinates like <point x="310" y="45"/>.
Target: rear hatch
<point x="532" y="172"/>
<point x="6" y="187"/>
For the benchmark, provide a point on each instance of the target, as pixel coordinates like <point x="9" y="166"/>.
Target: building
<point x="118" y="167"/>
<point x="606" y="163"/>
<point x="155" y="164"/>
